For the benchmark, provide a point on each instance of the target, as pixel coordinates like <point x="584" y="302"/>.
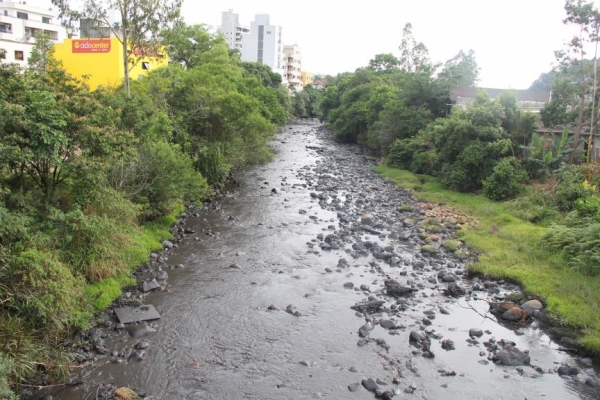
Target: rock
<point x="152" y="285"/>
<point x="593" y="382"/>
<point x="514" y="314"/>
<point x="567" y="370"/>
<point x="138" y="331"/>
<point x="343" y="263"/>
<point x="167" y="244"/>
<point x="290" y="309"/>
<point x="387" y="324"/>
<point x="454" y="290"/>
<point x="532" y="305"/>
<point x="476" y="332"/>
<point x="235" y="266"/>
<point x="448" y="344"/>
<point x="137" y="356"/>
<point x="124" y="393"/>
<point x="370" y="385"/>
<point x="366" y="219"/>
<point x="348" y="285"/>
<point x="370" y="306"/>
<point x="365" y="330"/>
<point x="511" y="356"/>
<point x="354" y="387"/>
<point x="417" y="336"/>
<point x="449" y="278"/>
<point x="144" y="344"/>
<point x="394" y="288"/>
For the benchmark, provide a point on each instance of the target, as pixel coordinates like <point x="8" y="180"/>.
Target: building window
<point x="6" y="13"/>
<point x="5" y="28"/>
<point x="46" y="20"/>
<point x="22" y="15"/>
<point x="19" y="56"/>
<point x="2" y="54"/>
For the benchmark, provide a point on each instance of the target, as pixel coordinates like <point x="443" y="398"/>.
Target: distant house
<point x="320" y="84"/>
<point x="530" y="100"/>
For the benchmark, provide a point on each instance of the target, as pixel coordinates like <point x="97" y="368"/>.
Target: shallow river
<point x="220" y="339"/>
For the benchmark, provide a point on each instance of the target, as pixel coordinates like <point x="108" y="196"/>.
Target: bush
<point x="506" y="180"/>
<point x="44" y="291"/>
<point x="579" y="244"/>
<point x="159" y="176"/>
<point x="6" y="369"/>
<point x="401" y="154"/>
<point x="570" y="188"/>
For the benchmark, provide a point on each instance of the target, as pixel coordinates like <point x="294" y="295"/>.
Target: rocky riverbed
<point x="314" y="278"/>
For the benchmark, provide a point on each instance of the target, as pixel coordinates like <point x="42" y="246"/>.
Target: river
<point x="262" y="309"/>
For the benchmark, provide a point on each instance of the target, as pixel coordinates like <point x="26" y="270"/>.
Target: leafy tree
<point x="185" y="43"/>
<point x="586" y="18"/>
<point x="263" y="72"/>
<point x="141" y="22"/>
<point x="461" y="70"/>
<point x="414" y="56"/>
<point x="384" y="63"/>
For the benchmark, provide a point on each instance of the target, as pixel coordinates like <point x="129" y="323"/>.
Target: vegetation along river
<point x="306" y="281"/>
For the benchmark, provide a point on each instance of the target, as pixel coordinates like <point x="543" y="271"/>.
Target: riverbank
<point x="507" y="248"/>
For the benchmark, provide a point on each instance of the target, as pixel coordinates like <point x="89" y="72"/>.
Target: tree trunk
<point x="126" y="62"/>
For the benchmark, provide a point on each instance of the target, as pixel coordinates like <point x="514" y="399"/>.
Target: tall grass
<point x="507" y="245"/>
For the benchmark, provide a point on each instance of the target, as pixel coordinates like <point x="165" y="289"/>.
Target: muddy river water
<point x="262" y="307"/>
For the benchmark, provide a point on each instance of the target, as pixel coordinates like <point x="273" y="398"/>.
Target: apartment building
<point x="307" y="78"/>
<point x="293" y="66"/>
<point x="232" y="30"/>
<point x="19" y="23"/>
<point x="263" y="44"/>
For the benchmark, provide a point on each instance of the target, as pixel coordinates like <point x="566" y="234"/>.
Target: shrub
<point x="159" y="176"/>
<point x="506" y="180"/>
<point x="570" y="188"/>
<point x="6" y="369"/>
<point x="401" y="154"/>
<point x="579" y="244"/>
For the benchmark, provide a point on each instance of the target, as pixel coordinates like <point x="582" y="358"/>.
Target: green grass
<point x="143" y="241"/>
<point x="510" y="250"/>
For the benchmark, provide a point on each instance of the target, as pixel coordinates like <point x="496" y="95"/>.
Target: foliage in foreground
<point x="90" y="182"/>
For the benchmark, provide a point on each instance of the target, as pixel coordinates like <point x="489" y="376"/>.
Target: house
<point x="19" y="24"/>
<point x="529" y="100"/>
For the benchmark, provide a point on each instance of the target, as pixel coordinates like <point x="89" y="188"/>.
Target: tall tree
<point x="460" y="70"/>
<point x="586" y="17"/>
<point x="185" y="43"/>
<point x="138" y="30"/>
<point x="414" y="56"/>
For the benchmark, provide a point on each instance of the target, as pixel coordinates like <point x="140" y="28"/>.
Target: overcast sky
<point x="514" y="40"/>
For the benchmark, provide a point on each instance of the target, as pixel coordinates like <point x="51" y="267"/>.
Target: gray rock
<point x="167" y="244"/>
<point x="532" y="305"/>
<point x="354" y="387"/>
<point x="149" y="286"/>
<point x="567" y="370"/>
<point x="417" y="336"/>
<point x="387" y="324"/>
<point x="512" y="356"/>
<point x="476" y="332"/>
<point x="138" y="331"/>
<point x="137" y="356"/>
<point x="370" y="385"/>
<point x="348" y="285"/>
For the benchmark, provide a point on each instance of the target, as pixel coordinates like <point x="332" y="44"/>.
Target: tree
<point x="460" y="70"/>
<point x="384" y="63"/>
<point x="587" y="18"/>
<point x="186" y="42"/>
<point x="414" y="56"/>
<point x="138" y="30"/>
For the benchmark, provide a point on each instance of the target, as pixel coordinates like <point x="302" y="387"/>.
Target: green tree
<point x="460" y="70"/>
<point x="384" y="63"/>
<point x="586" y="18"/>
<point x="414" y="56"/>
<point x="185" y="43"/>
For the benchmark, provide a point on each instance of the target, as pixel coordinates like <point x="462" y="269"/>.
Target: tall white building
<point x="263" y="44"/>
<point x="19" y="23"/>
<point x="232" y="30"/>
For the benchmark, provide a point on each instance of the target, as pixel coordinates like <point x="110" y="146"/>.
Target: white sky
<point x="514" y="40"/>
